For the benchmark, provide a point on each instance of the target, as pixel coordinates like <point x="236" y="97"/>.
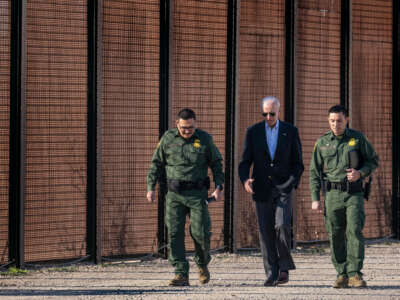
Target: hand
<point x="151" y="196"/>
<point x="217" y="194"/>
<point x="248" y="185"/>
<point x="287" y="186"/>
<point x="316" y="205"/>
<point x="353" y="175"/>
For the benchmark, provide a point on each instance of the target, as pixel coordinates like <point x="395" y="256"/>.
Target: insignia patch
<point x="196" y="143"/>
<point x="352" y="142"/>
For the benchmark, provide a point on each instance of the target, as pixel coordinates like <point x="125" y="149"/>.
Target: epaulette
<point x="321" y="138"/>
<point x="201" y="132"/>
<point x="326" y="133"/>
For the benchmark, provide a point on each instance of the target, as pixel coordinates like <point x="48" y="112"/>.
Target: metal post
<point x="163" y="115"/>
<point x="345" y="53"/>
<point x="290" y="76"/>
<point x="230" y="125"/>
<point x="289" y="62"/>
<point x="395" y="120"/>
<point x="17" y="133"/>
<point x="94" y="131"/>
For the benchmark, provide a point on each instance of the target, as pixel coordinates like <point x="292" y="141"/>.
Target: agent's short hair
<point x="186" y="114"/>
<point x="336" y="109"/>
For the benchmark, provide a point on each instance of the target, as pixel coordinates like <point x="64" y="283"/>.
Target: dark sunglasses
<point x="272" y="114"/>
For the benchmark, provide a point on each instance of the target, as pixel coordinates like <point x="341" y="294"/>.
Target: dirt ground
<point x="233" y="276"/>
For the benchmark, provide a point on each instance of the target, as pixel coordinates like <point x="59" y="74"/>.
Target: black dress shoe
<point x="283" y="277"/>
<point x="270" y="282"/>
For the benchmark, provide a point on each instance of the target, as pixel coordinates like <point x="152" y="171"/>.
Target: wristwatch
<point x="220" y="187"/>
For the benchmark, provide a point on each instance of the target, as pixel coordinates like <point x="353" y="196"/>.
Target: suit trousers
<point x="274" y="222"/>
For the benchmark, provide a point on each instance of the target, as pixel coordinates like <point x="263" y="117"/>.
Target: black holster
<point x="355" y="187"/>
<point x="367" y="188"/>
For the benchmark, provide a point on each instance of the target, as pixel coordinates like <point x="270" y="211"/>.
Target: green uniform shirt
<point x="330" y="158"/>
<point x="186" y="160"/>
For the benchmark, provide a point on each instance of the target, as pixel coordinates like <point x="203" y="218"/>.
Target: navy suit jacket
<point x="268" y="173"/>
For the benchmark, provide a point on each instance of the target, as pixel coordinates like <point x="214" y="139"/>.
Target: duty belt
<point x="346" y="186"/>
<point x="341" y="186"/>
<point x="179" y="186"/>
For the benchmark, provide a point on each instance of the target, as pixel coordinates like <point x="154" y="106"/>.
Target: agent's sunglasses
<point x="272" y="114"/>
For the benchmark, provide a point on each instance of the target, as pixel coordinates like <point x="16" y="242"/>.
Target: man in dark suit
<point x="273" y="148"/>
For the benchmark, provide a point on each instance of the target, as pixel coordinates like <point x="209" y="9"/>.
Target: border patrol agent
<point x="341" y="159"/>
<point x="185" y="154"/>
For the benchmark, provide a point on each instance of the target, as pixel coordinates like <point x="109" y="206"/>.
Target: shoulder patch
<point x="196" y="143"/>
<point x="352" y="142"/>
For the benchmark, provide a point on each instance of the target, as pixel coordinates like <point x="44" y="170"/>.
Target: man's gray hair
<point x="270" y="98"/>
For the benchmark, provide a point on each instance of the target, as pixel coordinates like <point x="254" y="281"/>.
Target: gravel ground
<point x="233" y="276"/>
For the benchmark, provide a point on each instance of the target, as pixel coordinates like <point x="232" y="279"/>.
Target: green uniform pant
<point x="344" y="221"/>
<point x="178" y="206"/>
